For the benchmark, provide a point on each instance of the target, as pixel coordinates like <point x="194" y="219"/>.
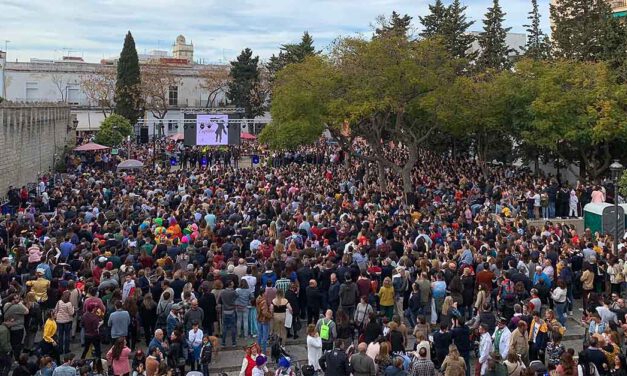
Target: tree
<point x="457" y="39"/>
<point x="215" y="81"/>
<point x="61" y="84"/>
<point x="435" y="22"/>
<point x="113" y="130"/>
<point x="396" y="25"/>
<point x="494" y="52"/>
<point x="381" y="88"/>
<point x="580" y="28"/>
<point x="579" y="114"/>
<point x="245" y="84"/>
<point x="290" y="54"/>
<point x="128" y="84"/>
<point x="477" y="108"/>
<point x="99" y="87"/>
<point x="538" y="45"/>
<point x="450" y="24"/>
<point x="157" y="80"/>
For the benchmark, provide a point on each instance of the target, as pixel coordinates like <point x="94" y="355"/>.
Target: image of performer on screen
<point x="219" y="130"/>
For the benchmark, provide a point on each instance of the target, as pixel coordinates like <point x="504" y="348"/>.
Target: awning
<point x="89" y="120"/>
<point x="247" y="136"/>
<point x="91" y="146"/>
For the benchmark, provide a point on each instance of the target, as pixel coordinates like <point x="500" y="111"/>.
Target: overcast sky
<point x="94" y="29"/>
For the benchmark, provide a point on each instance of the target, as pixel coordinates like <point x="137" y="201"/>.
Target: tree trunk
<point x="383" y="182"/>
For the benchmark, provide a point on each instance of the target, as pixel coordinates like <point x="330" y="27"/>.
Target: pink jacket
<point x="65" y="312"/>
<point x="121" y="365"/>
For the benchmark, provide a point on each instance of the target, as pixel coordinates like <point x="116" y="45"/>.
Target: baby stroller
<point x="277" y="350"/>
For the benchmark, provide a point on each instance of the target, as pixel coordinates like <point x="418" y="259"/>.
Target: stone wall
<point x="33" y="137"/>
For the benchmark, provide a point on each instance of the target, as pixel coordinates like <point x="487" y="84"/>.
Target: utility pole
<point x="4" y="64"/>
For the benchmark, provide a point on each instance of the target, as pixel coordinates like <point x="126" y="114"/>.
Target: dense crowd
<point x="154" y="271"/>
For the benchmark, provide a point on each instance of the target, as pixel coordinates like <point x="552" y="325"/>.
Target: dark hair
<point x="422" y="351"/>
<point x="117" y="348"/>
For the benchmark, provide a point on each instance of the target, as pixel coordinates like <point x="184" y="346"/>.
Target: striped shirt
<point x="283" y="284"/>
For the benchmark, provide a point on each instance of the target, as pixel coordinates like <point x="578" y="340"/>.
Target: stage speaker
<point x="143" y="135"/>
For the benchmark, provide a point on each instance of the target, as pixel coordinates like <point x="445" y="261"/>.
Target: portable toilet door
<point x="602" y="218"/>
<point x="593" y="216"/>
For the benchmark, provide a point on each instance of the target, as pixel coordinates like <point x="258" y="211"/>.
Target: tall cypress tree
<point x="580" y="28"/>
<point x="494" y="52"/>
<point x="396" y="25"/>
<point x="537" y="47"/>
<point x="435" y="22"/>
<point x="244" y="85"/>
<point x="457" y="39"/>
<point x="128" y="84"/>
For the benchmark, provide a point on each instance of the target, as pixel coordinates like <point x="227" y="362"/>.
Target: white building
<point x="61" y="80"/>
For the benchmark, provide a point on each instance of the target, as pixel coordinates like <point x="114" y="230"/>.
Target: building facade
<point x="63" y="81"/>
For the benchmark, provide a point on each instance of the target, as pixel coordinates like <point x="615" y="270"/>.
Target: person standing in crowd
<point x="361" y="364"/>
<point x="65" y="315"/>
<point x="118" y="357"/>
<point x="485" y="349"/>
<point x="327" y="329"/>
<point x="119" y="321"/>
<point x="14" y="313"/>
<point x="91" y="323"/>
<point x="228" y="300"/>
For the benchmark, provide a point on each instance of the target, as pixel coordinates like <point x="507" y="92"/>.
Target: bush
<point x="114" y="130"/>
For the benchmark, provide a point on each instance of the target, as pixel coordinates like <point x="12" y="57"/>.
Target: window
<point x="73" y="94"/>
<point x="31" y="90"/>
<point x="174" y="96"/>
<point x="171" y="124"/>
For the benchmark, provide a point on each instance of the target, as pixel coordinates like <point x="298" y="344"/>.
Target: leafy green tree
<point x="113" y="130"/>
<point x="435" y="22"/>
<point x="538" y="45"/>
<point x="244" y="86"/>
<point x="578" y="113"/>
<point x="128" y="84"/>
<point x="385" y="89"/>
<point x="494" y="52"/>
<point x="580" y="28"/>
<point x="477" y="108"/>
<point x="396" y="25"/>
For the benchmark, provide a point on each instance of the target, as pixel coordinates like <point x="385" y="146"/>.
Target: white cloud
<point x="96" y="28"/>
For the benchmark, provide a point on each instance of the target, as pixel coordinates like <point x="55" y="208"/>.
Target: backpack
<point x="325" y="331"/>
<point x="507" y="290"/>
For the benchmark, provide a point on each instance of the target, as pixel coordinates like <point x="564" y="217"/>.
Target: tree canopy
<point x="113" y="130"/>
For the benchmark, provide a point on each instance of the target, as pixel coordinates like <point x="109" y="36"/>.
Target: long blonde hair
<point x="446" y="306"/>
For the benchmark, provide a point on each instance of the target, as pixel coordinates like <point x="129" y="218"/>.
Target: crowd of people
<point x="153" y="272"/>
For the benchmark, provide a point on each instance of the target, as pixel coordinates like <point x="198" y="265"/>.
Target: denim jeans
<point x="64" y="330"/>
<point x="545" y="212"/>
<point x="229" y="322"/>
<point x="205" y="369"/>
<point x="411" y="317"/>
<point x="559" y="311"/>
<point x="242" y="322"/>
<point x="263" y="330"/>
<point x="252" y="321"/>
<point x="551" y="209"/>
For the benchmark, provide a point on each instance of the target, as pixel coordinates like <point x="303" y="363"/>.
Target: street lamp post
<point x="617" y="170"/>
